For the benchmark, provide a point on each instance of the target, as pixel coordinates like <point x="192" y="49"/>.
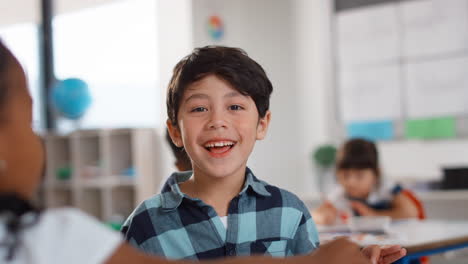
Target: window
<point x="22" y="39"/>
<point x="113" y="48"/>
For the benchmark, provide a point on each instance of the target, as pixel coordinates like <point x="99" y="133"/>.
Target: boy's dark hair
<point x="230" y="64"/>
<point x="183" y="162"/>
<point x="358" y="153"/>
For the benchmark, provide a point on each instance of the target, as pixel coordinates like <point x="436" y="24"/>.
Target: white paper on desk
<point x="437" y="88"/>
<point x="367" y="35"/>
<point x="434" y="26"/>
<point x="370" y="94"/>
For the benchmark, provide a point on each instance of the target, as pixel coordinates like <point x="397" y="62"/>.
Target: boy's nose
<point x="217" y="120"/>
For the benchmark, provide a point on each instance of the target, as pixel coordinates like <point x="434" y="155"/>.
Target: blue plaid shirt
<point x="262" y="220"/>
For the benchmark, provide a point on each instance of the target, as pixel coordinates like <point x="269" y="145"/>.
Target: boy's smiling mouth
<point x="219" y="148"/>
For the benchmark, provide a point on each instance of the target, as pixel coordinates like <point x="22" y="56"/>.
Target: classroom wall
<point x="409" y="161"/>
<point x="293" y="40"/>
<point x="175" y="39"/>
<point x="402" y="159"/>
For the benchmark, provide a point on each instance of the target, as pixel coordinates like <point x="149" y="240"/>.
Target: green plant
<point x="324" y="156"/>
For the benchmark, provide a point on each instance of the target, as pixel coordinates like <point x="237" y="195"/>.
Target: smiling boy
<point x="218" y="107"/>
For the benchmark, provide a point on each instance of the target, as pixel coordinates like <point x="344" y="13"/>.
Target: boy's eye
<point x="199" y="109"/>
<point x="235" y="107"/>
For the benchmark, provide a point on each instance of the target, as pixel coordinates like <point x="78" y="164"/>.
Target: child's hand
<point x="325" y="214"/>
<point x="363" y="209"/>
<point x="338" y="251"/>
<point x="384" y="255"/>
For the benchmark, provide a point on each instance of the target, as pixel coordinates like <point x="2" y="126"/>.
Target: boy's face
<point x="358" y="183"/>
<point x="217" y="126"/>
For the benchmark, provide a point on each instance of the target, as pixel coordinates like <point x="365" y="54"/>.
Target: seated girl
<point x="361" y="189"/>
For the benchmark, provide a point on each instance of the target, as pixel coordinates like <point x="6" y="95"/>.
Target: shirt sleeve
<point x="70" y="236"/>
<point x="306" y="237"/>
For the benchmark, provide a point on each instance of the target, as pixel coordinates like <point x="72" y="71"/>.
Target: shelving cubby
<point x="105" y="173"/>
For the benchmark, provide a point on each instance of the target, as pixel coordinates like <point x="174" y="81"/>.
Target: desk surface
<point x="414" y="235"/>
<point x="417" y="236"/>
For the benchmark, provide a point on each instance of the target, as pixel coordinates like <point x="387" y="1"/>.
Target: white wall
<point x="175" y="41"/>
<point x="422" y="160"/>
<point x="313" y="47"/>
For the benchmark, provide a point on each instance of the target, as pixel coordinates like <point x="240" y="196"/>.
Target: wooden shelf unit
<point x="105" y="173"/>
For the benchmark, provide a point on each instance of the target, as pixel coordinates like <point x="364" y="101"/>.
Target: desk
<point x="421" y="238"/>
<point x="429" y="237"/>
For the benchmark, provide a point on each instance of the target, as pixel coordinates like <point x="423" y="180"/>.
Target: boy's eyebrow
<point x="233" y="94"/>
<point x="204" y="96"/>
<point x="196" y="96"/>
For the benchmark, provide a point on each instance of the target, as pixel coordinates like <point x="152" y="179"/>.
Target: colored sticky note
<point x="431" y="128"/>
<point x="371" y="130"/>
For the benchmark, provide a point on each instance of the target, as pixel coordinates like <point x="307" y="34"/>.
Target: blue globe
<point x="71" y="98"/>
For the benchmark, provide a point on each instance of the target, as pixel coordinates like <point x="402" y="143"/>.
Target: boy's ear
<point x="262" y="127"/>
<point x="174" y="133"/>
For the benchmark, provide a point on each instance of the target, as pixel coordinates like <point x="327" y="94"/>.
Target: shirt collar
<point x="255" y="184"/>
<point x="172" y="196"/>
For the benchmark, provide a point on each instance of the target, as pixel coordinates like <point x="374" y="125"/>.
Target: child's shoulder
<point x="280" y="197"/>
<point x="151" y="204"/>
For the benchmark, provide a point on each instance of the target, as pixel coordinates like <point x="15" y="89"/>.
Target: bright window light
<point x="113" y="48"/>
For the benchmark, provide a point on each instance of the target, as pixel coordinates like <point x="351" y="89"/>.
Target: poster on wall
<point x="371" y="130"/>
<point x="367" y="35"/>
<point x="370" y="94"/>
<point x="430" y="128"/>
<point x="433" y="27"/>
<point x="215" y="27"/>
<point x="437" y="88"/>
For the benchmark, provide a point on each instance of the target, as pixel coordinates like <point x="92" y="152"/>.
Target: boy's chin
<point x="221" y="172"/>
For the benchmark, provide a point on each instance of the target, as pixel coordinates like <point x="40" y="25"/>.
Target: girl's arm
<point x="127" y="254"/>
<point x="338" y="251"/>
<point x="402" y="207"/>
<point x="325" y="214"/>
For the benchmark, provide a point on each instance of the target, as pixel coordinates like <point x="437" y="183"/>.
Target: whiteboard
<point x="371" y="93"/>
<point x="434" y="27"/>
<point x="368" y="35"/>
<point x="437" y="88"/>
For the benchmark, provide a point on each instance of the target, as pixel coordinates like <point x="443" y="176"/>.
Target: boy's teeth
<point x="219" y="144"/>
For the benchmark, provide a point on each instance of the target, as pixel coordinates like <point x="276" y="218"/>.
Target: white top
<point x="338" y="196"/>
<point x="62" y="236"/>
<point x="224" y="221"/>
